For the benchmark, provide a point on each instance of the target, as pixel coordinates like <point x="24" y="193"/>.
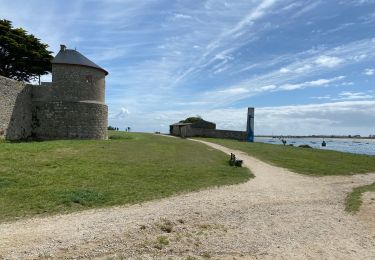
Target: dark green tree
<point x="22" y="56"/>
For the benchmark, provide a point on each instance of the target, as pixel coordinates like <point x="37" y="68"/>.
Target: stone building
<point x="201" y="130"/>
<point x="72" y="106"/>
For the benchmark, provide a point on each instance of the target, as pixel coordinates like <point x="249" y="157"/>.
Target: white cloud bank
<point x="344" y="117"/>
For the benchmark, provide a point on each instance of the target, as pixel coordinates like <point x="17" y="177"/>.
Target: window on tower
<point x="88" y="79"/>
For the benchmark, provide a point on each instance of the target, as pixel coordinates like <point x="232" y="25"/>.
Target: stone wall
<point x="215" y="133"/>
<point x="189" y="131"/>
<point x="69" y="120"/>
<point x="180" y="130"/>
<point x="71" y="107"/>
<point x="15" y="109"/>
<point x="43" y="92"/>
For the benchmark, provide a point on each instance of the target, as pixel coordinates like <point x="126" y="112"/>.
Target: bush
<point x="198" y="122"/>
<point x="305" y="146"/>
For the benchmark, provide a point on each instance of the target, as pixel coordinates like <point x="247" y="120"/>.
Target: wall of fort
<point x="15" y="109"/>
<point x="189" y="131"/>
<point x="71" y="107"/>
<point x="69" y="120"/>
<point x="216" y="133"/>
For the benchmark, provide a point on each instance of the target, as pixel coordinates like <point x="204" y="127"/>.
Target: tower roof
<point x="68" y="56"/>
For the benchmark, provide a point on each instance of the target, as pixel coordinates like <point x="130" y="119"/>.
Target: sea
<point x="349" y="145"/>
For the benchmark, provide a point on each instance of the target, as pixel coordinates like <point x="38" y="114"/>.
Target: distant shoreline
<point x="318" y="136"/>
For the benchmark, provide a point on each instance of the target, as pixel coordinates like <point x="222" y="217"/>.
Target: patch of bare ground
<point x="279" y="214"/>
<point x="367" y="210"/>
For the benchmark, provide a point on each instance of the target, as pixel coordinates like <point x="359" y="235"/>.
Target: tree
<point x="22" y="56"/>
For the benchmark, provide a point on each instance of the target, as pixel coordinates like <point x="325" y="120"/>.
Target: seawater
<point x="350" y="145"/>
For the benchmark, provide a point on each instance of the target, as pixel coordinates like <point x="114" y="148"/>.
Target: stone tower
<point x="72" y="106"/>
<point x="250" y="124"/>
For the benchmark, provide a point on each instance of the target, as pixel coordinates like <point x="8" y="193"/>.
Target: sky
<point x="307" y="66"/>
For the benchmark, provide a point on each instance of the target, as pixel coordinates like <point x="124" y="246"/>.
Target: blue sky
<point x="308" y="67"/>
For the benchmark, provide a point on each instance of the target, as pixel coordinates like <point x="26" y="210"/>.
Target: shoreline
<point x="316" y="136"/>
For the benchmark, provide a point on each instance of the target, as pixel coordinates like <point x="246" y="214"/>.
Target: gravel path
<point x="279" y="214"/>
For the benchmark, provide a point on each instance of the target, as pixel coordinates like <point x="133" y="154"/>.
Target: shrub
<point x="198" y="122"/>
<point x="305" y="146"/>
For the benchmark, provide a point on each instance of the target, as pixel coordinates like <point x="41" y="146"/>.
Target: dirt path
<point x="279" y="214"/>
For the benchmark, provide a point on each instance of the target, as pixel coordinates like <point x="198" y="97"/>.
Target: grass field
<point x="304" y="160"/>
<point x="64" y="176"/>
<point x="354" y="199"/>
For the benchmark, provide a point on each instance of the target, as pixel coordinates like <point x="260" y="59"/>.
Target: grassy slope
<point x="64" y="176"/>
<point x="303" y="160"/>
<point x="354" y="199"/>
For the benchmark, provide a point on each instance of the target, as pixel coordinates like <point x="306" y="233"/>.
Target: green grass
<point x="354" y="199"/>
<point x="302" y="160"/>
<point x="38" y="178"/>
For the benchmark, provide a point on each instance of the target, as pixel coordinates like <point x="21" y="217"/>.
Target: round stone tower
<point x="73" y="106"/>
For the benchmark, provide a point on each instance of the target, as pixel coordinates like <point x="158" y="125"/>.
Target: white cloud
<point x="313" y="62"/>
<point x="227" y="96"/>
<point x="268" y="87"/>
<point x="257" y="13"/>
<point x="226" y="40"/>
<point x="303" y="69"/>
<point x="181" y="16"/>
<point x="307" y="8"/>
<point x="369" y="72"/>
<point x="349" y="95"/>
<point x="123" y="113"/>
<point x="345" y="117"/>
<point x="328" y="61"/>
<point x="347" y="83"/>
<point x="314" y="83"/>
<point x="234" y="91"/>
<point x="284" y="70"/>
<point x="322" y="97"/>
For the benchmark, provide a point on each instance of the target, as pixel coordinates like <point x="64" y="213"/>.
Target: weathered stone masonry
<point x="193" y="129"/>
<point x="15" y="109"/>
<point x="70" y="107"/>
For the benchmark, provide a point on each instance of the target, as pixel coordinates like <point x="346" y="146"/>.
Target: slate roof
<point x="68" y="56"/>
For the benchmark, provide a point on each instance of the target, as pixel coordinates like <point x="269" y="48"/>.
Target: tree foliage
<point x="22" y="56"/>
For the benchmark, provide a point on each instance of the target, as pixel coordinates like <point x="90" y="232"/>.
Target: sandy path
<point x="279" y="214"/>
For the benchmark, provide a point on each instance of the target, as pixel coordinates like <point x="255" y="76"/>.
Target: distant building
<point x="202" y="128"/>
<point x="72" y="106"/>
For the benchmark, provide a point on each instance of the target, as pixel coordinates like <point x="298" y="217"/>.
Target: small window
<point x="88" y="79"/>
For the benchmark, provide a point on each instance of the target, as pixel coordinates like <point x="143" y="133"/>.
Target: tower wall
<point x="77" y="83"/>
<point x="69" y="120"/>
<point x="72" y="106"/>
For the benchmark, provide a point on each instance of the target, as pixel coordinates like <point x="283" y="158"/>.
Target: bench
<point x="234" y="162"/>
